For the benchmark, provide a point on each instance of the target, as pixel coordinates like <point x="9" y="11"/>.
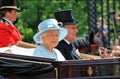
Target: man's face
<point x="72" y="31"/>
<point x="11" y="15"/>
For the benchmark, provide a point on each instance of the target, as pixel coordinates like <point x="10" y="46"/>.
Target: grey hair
<point x="42" y="36"/>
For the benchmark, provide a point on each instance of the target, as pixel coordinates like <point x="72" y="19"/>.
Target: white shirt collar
<point x="67" y="41"/>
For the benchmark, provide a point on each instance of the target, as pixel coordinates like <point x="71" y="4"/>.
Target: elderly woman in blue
<point x="48" y="37"/>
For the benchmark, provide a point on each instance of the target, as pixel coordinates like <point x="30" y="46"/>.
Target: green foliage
<point x="34" y="11"/>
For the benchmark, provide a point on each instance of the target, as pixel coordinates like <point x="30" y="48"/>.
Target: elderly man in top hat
<point x="9" y="34"/>
<point x="71" y="43"/>
<point x="65" y="46"/>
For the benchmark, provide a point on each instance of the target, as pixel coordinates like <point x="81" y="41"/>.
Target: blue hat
<point x="50" y="24"/>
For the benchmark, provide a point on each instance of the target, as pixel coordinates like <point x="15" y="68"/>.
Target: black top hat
<point x="66" y="17"/>
<point x="8" y="4"/>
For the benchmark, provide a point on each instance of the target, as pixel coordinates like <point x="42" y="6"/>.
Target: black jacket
<point x="67" y="51"/>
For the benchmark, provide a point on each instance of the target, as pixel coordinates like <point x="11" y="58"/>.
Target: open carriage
<point x="22" y="67"/>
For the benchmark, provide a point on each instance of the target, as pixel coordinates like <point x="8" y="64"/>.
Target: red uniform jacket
<point x="9" y="34"/>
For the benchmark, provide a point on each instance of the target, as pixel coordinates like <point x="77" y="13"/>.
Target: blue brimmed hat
<point x="50" y="24"/>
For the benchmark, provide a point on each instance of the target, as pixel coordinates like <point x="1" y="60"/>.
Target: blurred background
<point x="85" y="11"/>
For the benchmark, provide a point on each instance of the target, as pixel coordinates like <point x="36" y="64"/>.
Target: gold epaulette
<point x="5" y="22"/>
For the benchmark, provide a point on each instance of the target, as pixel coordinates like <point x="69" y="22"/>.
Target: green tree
<point x="34" y="11"/>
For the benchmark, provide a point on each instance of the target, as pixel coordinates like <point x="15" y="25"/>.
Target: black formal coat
<point x="67" y="50"/>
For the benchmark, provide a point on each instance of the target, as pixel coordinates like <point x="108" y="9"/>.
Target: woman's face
<point x="72" y="31"/>
<point x="11" y="15"/>
<point x="50" y="38"/>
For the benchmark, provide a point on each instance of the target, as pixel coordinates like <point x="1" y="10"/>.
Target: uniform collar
<point x="10" y="22"/>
